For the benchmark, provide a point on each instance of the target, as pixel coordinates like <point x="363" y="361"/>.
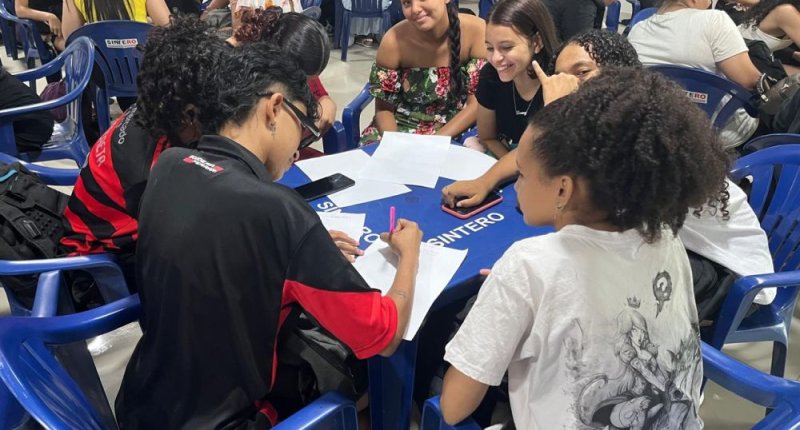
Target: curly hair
<point x="298" y="35"/>
<point x="175" y="72"/>
<point x="647" y="152"/>
<point x="757" y="13"/>
<point x="259" y="67"/>
<point x="605" y="47"/>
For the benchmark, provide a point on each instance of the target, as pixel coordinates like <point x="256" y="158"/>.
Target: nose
<point x="496" y="57"/>
<point x="415" y="7"/>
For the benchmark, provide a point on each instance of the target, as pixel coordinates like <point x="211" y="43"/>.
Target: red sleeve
<point x="316" y="87"/>
<point x="327" y="286"/>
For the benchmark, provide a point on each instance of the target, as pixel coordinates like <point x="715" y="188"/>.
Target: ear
<point x="190" y="114"/>
<point x="269" y="108"/>
<point x="566" y="190"/>
<point x="536" y="44"/>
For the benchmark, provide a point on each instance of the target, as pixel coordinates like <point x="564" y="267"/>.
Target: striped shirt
<point x="101" y="214"/>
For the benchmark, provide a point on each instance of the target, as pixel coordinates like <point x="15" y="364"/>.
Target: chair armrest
<point x="740" y="297"/>
<point x="84" y="325"/>
<point x="13" y="18"/>
<point x="323" y="411"/>
<point x="50" y="175"/>
<point x="10" y="113"/>
<point x="103" y="268"/>
<point x="335" y="140"/>
<point x="432" y="418"/>
<point x="743" y="380"/>
<point x="39" y="72"/>
<point x="351" y="115"/>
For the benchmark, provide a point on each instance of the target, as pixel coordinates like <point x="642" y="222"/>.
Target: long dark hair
<point x="758" y="12"/>
<point x="529" y="18"/>
<point x="454" y="35"/>
<point x="106" y="10"/>
<point x="298" y="35"/>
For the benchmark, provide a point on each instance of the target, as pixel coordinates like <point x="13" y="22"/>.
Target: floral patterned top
<point x="421" y="96"/>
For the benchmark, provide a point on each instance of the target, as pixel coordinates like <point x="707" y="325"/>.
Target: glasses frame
<point x="305" y="122"/>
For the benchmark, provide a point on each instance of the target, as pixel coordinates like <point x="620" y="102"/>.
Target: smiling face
<point x="509" y="52"/>
<point x="424" y="14"/>
<point x="574" y="60"/>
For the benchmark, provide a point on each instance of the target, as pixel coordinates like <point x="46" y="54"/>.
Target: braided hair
<point x="454" y="35"/>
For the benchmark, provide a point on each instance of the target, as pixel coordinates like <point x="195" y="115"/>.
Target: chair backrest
<point x="714" y="94"/>
<point x="484" y="7"/>
<point x="758" y="387"/>
<point x="367" y="7"/>
<point x="775" y="198"/>
<point x="642" y="15"/>
<point x="34" y="376"/>
<point x="612" y="16"/>
<point x="76" y="65"/>
<point x="770" y="140"/>
<point x="117" y="54"/>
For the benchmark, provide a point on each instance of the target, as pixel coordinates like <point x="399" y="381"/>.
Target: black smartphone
<point x="324" y="186"/>
<point x="463" y="213"/>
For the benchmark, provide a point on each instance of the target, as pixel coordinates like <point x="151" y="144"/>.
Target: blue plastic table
<point x="487" y="235"/>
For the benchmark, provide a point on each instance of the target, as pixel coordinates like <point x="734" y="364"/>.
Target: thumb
<point x="540" y="74"/>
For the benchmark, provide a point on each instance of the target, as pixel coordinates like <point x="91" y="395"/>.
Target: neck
<point x="245" y="136"/>
<point x="441" y="32"/>
<point x="670" y="7"/>
<point x="525" y="86"/>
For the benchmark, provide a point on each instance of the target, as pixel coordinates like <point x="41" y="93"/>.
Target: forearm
<point x="461" y="122"/>
<point x="28" y="13"/>
<point x="402" y="294"/>
<point x="504" y="170"/>
<point x="384" y="120"/>
<point x="461" y="395"/>
<point x="217" y="4"/>
<point x="496" y="147"/>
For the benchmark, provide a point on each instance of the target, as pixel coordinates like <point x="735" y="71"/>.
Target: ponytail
<point x="455" y="47"/>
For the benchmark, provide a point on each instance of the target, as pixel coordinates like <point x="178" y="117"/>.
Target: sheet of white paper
<point x="351" y="224"/>
<point x="410" y="159"/>
<point x="350" y="163"/>
<point x="463" y="163"/>
<point x="437" y="266"/>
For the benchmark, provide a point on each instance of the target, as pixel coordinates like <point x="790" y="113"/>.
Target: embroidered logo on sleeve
<point x="201" y="162"/>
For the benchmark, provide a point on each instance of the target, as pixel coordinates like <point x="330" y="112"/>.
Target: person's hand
<point x="346" y="244"/>
<point x="556" y="86"/>
<point x="485" y="272"/>
<point x="326" y="118"/>
<point x="55" y="25"/>
<point x="405" y="240"/>
<point x="471" y="193"/>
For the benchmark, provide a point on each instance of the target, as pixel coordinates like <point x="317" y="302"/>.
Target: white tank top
<point x="752" y="32"/>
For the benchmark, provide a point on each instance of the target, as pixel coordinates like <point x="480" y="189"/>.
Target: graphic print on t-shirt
<point x="650" y="387"/>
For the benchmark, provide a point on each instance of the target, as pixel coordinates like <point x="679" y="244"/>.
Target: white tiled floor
<point x="343" y="81"/>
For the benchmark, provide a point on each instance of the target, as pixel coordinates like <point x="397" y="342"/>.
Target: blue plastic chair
<point x="639" y="16"/>
<point x="612" y="16"/>
<point x="780" y="395"/>
<point x="117" y="57"/>
<point x="714" y="94"/>
<point x="484" y="7"/>
<point x="775" y="198"/>
<point x="432" y="418"/>
<point x="68" y="140"/>
<point x="32" y="44"/>
<point x="351" y="116"/>
<point x="359" y="9"/>
<point x="335" y="139"/>
<point x="49" y="394"/>
<point x="770" y="140"/>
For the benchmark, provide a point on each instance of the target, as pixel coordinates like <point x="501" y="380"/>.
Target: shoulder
<point x="472" y="25"/>
<point x="717" y="18"/>
<point x="388" y="55"/>
<point x="786" y="14"/>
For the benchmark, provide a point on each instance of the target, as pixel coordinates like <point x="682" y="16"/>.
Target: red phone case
<point x="474" y="211"/>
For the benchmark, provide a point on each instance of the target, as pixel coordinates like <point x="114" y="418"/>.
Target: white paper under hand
<point x="437" y="266"/>
<point x="410" y="159"/>
<point x="465" y="164"/>
<point x="350" y="224"/>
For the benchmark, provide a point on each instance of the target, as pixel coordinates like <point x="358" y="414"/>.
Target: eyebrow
<point x="584" y="63"/>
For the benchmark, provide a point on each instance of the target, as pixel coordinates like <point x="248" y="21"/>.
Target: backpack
<point x="30" y="224"/>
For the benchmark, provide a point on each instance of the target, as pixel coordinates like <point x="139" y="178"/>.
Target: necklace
<point x="514" y="98"/>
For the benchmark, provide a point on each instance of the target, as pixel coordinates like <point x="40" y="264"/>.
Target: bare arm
<point x="741" y="70"/>
<point x="71" y="18"/>
<point x="327" y="113"/>
<point x="384" y="116"/>
<point x="463" y="120"/>
<point x="461" y="395"/>
<point x="405" y="241"/>
<point x="487" y="132"/>
<point x="216" y="4"/>
<point x="789" y="21"/>
<point x="158" y="11"/>
<point x="388" y="56"/>
<point x="24" y="11"/>
<point x="474" y="191"/>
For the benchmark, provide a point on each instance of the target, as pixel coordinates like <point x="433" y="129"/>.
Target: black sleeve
<point x="487" y="87"/>
<point x="31" y="130"/>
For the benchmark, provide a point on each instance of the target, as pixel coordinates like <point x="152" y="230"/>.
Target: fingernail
<point x="360" y="252"/>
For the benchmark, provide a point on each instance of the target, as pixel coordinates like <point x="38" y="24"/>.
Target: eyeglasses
<point x="305" y="123"/>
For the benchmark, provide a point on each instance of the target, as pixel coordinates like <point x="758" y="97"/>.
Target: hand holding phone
<point x="463" y="213"/>
<point x="324" y="186"/>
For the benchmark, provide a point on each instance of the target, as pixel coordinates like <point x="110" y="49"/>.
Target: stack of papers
<point x="437" y="266"/>
<point x="350" y="163"/>
<point x="464" y="164"/>
<point x="409" y="159"/>
<point x="351" y="224"/>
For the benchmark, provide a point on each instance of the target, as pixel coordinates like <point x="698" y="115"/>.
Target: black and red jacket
<point x="101" y="213"/>
<point x="223" y="255"/>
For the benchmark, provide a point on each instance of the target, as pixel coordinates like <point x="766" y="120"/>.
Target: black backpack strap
<point x="28" y="229"/>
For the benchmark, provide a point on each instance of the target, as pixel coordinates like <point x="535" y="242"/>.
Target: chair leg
<point x="345" y="35"/>
<point x="778" y="359"/>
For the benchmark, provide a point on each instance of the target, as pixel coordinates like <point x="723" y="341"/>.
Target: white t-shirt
<point x="738" y="244"/>
<point x="699" y="39"/>
<point x="597" y="330"/>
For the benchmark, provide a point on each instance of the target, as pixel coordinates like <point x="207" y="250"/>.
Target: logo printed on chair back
<point x="121" y="43"/>
<point x="697" y="97"/>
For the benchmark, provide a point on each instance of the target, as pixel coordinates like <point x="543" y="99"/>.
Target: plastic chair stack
<point x="775" y="198"/>
<point x="714" y="94"/>
<point x="118" y="58"/>
<point x="68" y="140"/>
<point x="32" y="44"/>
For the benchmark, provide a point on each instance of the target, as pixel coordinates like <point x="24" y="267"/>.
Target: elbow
<point x="450" y="414"/>
<point x="392" y="346"/>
